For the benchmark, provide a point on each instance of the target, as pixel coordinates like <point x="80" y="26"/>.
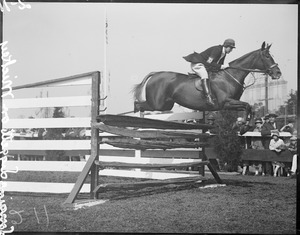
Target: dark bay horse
<point x="163" y="89"/>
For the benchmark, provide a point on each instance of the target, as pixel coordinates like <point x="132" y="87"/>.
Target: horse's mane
<point x="244" y="56"/>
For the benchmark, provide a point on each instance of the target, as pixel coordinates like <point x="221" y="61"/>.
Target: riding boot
<point x="206" y="91"/>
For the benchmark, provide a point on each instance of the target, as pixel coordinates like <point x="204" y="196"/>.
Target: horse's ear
<point x="263" y="46"/>
<point x="268" y="47"/>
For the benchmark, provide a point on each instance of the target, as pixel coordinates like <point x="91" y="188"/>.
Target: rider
<point x="212" y="60"/>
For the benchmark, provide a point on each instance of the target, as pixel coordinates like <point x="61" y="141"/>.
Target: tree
<point x="55" y="134"/>
<point x="290" y="106"/>
<point x="226" y="142"/>
<point x="292" y="103"/>
<point x="258" y="109"/>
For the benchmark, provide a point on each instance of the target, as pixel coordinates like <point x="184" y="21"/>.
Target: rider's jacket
<point x="211" y="58"/>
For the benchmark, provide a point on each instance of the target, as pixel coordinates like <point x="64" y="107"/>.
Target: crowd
<point x="270" y="139"/>
<point x="49" y="134"/>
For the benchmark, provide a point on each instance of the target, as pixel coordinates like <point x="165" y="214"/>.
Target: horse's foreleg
<point x="239" y="105"/>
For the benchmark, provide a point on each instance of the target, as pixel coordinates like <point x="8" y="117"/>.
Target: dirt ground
<point x="247" y="204"/>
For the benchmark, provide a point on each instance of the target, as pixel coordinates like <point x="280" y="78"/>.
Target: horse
<point x="163" y="89"/>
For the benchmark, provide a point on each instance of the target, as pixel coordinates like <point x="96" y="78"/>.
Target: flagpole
<point x="104" y="80"/>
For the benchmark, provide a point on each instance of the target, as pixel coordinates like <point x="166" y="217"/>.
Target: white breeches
<point x="200" y="70"/>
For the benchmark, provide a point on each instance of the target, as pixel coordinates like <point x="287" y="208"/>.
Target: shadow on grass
<point x="126" y="194"/>
<point x="242" y="183"/>
<point x="122" y="194"/>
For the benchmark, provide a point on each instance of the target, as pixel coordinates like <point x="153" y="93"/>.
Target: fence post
<point x="202" y="154"/>
<point x="90" y="164"/>
<point x="95" y="131"/>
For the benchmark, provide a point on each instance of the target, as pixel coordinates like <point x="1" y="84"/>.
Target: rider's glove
<point x="224" y="66"/>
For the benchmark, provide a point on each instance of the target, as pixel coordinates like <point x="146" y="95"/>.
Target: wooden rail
<point x="150" y="133"/>
<point x="127" y="121"/>
<point x="103" y="165"/>
<point x="266" y="155"/>
<point x="154" y="144"/>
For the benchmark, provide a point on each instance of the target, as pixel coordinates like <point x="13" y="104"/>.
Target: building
<point x="256" y="93"/>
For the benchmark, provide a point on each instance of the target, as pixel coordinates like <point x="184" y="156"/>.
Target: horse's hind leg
<point x="167" y="106"/>
<point x="160" y="102"/>
<point x="142" y="106"/>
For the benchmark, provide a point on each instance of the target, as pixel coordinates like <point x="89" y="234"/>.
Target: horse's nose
<point x="279" y="74"/>
<point x="276" y="74"/>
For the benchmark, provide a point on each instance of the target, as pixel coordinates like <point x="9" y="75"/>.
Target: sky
<point x="53" y="40"/>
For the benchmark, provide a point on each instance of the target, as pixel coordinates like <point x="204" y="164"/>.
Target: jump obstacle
<point x="136" y="137"/>
<point x="133" y="132"/>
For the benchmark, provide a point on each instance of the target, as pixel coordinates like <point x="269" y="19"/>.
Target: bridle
<point x="267" y="71"/>
<point x="256" y="70"/>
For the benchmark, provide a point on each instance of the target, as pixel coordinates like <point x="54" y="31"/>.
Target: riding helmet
<point x="229" y="43"/>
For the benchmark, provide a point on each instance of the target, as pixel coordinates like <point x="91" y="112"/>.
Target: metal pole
<point x="285" y="113"/>
<point x="1" y="91"/>
<point x="266" y="94"/>
<point x="103" y="88"/>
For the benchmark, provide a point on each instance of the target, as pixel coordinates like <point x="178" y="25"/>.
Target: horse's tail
<point x="138" y="88"/>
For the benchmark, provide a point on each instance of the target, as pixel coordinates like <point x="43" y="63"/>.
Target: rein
<point x="255" y="70"/>
<point x="234" y="78"/>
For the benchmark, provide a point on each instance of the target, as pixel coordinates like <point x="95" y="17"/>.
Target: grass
<point x="248" y="204"/>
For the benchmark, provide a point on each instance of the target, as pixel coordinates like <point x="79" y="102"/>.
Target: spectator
<point x="288" y="128"/>
<point x="292" y="147"/>
<point x="75" y="133"/>
<point x="241" y="127"/>
<point x="256" y="143"/>
<point x="41" y="133"/>
<point x="211" y="121"/>
<point x="266" y="118"/>
<point x="276" y="145"/>
<point x="295" y="132"/>
<point x="266" y="129"/>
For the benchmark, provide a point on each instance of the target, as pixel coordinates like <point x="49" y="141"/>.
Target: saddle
<point x="197" y="81"/>
<point x="198" y="84"/>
